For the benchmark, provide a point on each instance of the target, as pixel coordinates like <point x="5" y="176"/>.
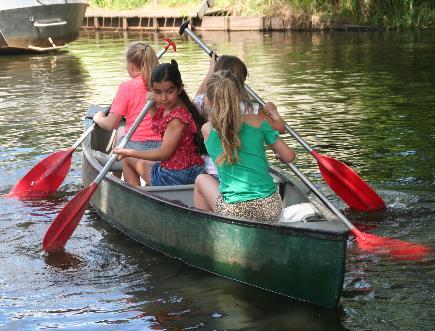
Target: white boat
<point x="39" y="25"/>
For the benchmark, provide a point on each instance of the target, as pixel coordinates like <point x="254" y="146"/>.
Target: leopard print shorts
<point x="266" y="210"/>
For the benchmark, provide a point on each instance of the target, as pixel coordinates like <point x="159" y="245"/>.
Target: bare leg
<point x="130" y="174"/>
<point x="133" y="168"/>
<point x="206" y="192"/>
<point x="143" y="168"/>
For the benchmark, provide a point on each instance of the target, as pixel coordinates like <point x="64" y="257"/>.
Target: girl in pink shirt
<point x="131" y="97"/>
<point x="178" y="122"/>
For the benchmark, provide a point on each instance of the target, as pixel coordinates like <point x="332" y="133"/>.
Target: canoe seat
<point x="178" y="194"/>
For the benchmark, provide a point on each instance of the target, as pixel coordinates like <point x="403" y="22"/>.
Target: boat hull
<point x="304" y="262"/>
<point x="40" y="27"/>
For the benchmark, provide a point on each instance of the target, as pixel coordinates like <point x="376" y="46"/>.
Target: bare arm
<point x="107" y="123"/>
<point x="171" y="138"/>
<point x="205" y="130"/>
<point x="270" y="113"/>
<point x="202" y="89"/>
<point x="283" y="151"/>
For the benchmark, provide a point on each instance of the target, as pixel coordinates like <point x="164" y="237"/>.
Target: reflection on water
<point x="363" y="98"/>
<point x="38" y="91"/>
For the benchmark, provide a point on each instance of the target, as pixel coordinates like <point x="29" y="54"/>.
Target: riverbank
<point x="169" y="19"/>
<point x="297" y="15"/>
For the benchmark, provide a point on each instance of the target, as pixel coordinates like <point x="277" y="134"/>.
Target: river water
<point x="367" y="99"/>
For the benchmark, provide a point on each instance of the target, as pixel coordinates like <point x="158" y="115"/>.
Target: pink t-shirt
<point x="130" y="99"/>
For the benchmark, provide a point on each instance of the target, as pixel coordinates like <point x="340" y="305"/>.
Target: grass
<point x="133" y="4"/>
<point x="118" y="4"/>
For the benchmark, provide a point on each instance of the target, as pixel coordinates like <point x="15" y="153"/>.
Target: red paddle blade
<point x="348" y="185"/>
<point x="45" y="177"/>
<point x="398" y="249"/>
<point x="63" y="226"/>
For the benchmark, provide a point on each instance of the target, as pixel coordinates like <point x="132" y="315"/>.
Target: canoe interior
<point x="304" y="260"/>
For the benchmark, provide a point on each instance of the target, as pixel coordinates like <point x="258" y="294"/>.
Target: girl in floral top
<point x="177" y="161"/>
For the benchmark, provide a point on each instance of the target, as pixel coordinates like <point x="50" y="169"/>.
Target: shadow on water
<point x="63" y="260"/>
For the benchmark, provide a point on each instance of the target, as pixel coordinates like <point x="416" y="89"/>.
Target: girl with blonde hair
<point x="236" y="143"/>
<point x="131" y="97"/>
<point x="236" y="66"/>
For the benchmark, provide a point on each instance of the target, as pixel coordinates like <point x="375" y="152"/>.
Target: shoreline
<point x="163" y="19"/>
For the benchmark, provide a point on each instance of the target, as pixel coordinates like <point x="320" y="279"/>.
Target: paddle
<point x="346" y="183"/>
<point x="368" y="242"/>
<point x="45" y="177"/>
<point x="365" y="241"/>
<point x="61" y="229"/>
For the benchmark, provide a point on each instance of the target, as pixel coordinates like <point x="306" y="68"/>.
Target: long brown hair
<point x="144" y="58"/>
<point x="224" y="92"/>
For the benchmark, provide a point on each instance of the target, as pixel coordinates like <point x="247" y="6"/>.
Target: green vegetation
<point x="118" y="4"/>
<point x="392" y="14"/>
<point x="132" y="4"/>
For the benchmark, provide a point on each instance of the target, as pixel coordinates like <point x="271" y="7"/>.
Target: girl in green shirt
<point x="236" y="143"/>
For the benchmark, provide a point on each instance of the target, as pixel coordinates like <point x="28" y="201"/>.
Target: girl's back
<point x="249" y="177"/>
<point x="131" y="97"/>
<point x="129" y="102"/>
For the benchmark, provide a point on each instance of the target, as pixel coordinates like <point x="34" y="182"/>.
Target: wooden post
<point x="96" y="23"/>
<point x="155" y="24"/>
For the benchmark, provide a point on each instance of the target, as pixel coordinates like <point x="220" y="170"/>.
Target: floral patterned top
<point x="185" y="155"/>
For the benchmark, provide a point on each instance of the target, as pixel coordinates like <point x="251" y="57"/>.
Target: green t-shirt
<point x="248" y="179"/>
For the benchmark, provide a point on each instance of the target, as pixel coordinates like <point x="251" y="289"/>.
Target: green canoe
<point x="302" y="256"/>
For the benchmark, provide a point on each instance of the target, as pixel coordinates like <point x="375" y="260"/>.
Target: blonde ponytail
<point x="224" y="93"/>
<point x="144" y="58"/>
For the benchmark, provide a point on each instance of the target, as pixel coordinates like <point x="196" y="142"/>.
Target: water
<point x="364" y="98"/>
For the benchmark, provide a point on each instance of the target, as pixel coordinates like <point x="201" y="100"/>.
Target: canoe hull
<point x="305" y="264"/>
<point x="39" y="27"/>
